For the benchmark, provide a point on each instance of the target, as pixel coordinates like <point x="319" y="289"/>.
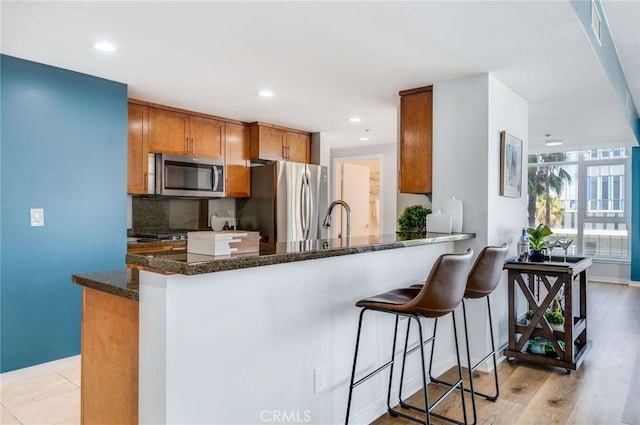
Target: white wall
<point x="468" y="115"/>
<point x="388" y="179"/>
<point x="610" y="271"/>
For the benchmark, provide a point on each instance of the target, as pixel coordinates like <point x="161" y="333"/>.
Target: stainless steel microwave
<point x="175" y="175"/>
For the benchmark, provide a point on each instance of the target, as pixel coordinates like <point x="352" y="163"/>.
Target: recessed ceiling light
<point x="364" y="139"/>
<point x="554" y="143"/>
<point x="354" y="119"/>
<point x="265" y="93"/>
<point x="104" y="46"/>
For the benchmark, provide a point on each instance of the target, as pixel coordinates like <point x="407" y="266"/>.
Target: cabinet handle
<point x="186" y="145"/>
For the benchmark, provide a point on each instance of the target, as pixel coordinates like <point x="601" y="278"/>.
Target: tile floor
<point x="50" y="399"/>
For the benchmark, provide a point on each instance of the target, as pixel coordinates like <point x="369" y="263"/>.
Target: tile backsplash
<point x="152" y="214"/>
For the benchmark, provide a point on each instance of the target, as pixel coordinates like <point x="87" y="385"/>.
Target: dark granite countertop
<point x="192" y="264"/>
<point x="123" y="283"/>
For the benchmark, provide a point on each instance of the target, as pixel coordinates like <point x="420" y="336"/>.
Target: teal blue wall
<point x="64" y="149"/>
<point x="635" y="214"/>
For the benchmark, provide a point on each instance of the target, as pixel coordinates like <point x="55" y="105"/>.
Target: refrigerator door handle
<point x="309" y="200"/>
<point x="305" y="208"/>
<point x="303" y="205"/>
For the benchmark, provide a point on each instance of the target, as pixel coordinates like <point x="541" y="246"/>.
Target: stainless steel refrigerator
<point x="288" y="202"/>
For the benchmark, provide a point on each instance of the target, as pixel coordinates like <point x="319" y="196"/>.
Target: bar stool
<point x="482" y="281"/>
<point x="441" y="294"/>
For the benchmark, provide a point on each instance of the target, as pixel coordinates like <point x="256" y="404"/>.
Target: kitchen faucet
<point x="327" y="219"/>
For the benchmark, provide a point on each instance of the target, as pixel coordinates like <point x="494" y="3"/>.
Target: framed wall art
<point x="510" y="165"/>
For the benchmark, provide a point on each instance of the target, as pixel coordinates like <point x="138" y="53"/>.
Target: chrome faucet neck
<point x="327" y="219"/>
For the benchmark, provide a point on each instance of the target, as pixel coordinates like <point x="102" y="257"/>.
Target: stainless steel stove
<point x="164" y="235"/>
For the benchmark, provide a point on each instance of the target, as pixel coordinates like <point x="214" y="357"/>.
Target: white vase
<point x="453" y="207"/>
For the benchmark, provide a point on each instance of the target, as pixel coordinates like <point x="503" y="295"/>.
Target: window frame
<point x="585" y="160"/>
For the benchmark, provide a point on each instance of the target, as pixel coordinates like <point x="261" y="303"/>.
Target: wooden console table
<point x="547" y="280"/>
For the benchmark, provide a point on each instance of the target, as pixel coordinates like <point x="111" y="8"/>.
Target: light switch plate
<point x="37" y="217"/>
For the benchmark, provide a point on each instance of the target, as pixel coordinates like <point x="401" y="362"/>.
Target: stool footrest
<point x="488" y="397"/>
<point x="381" y="368"/>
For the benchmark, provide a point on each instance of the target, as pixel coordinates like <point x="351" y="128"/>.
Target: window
<point x="581" y="196"/>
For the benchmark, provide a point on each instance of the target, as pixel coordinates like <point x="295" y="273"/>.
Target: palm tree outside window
<point x="581" y="196"/>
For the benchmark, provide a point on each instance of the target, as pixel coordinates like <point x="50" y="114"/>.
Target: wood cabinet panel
<point x="109" y="380"/>
<point x="238" y="178"/>
<point x="138" y="148"/>
<point x="168" y="132"/>
<point x="267" y="143"/>
<point x="207" y="138"/>
<point x="298" y="147"/>
<point x="275" y="144"/>
<point x="416" y="140"/>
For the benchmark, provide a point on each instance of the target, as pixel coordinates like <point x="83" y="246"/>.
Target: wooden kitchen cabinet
<point x="178" y="133"/>
<point x="298" y="147"/>
<point x="138" y="148"/>
<point x="168" y="132"/>
<point x="274" y="143"/>
<point x="109" y="344"/>
<point x="207" y="137"/>
<point x="238" y="172"/>
<point x="416" y="140"/>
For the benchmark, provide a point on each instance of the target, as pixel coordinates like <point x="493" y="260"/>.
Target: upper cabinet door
<point x="206" y="138"/>
<point x="168" y="132"/>
<point x="138" y="148"/>
<point x="298" y="147"/>
<point x="267" y="143"/>
<point x="238" y="173"/>
<point x="416" y="132"/>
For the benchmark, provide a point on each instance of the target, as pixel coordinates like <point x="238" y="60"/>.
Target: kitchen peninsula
<point x="216" y="336"/>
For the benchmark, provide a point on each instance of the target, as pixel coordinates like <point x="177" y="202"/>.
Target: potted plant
<point x="537" y="242"/>
<point x="528" y="316"/>
<point x="555" y="319"/>
<point x="413" y="219"/>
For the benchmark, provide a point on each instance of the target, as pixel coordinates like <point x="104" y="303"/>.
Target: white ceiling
<point x="328" y="61"/>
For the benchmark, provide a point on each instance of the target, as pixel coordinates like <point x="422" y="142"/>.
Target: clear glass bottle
<point x="523" y="246"/>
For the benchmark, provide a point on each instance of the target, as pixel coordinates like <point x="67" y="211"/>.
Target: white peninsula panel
<point x="238" y="347"/>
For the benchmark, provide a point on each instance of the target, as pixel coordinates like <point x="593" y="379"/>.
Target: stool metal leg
<point x="396" y="413"/>
<point x="470" y="369"/>
<point x="353" y="369"/>
<point x="493" y="352"/>
<point x="404" y="361"/>
<point x="475" y="367"/>
<point x="452" y="387"/>
<point x="393" y="357"/>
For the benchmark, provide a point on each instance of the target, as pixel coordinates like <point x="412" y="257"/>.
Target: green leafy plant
<point x="554" y="317"/>
<point x="414" y="219"/>
<point x="537" y="236"/>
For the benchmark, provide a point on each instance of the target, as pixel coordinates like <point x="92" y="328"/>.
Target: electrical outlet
<point x="320" y="379"/>
<point x="37" y="217"/>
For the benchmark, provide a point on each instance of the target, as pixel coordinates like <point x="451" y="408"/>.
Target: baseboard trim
<point x="39" y="370"/>
<point x="608" y="279"/>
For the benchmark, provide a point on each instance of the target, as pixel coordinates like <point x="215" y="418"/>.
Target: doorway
<point x="357" y="182"/>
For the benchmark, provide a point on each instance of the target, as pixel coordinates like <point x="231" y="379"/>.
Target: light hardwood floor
<point x="604" y="390"/>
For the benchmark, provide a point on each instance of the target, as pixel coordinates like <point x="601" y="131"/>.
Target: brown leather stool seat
<point x="442" y="293"/>
<point x="483" y="279"/>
